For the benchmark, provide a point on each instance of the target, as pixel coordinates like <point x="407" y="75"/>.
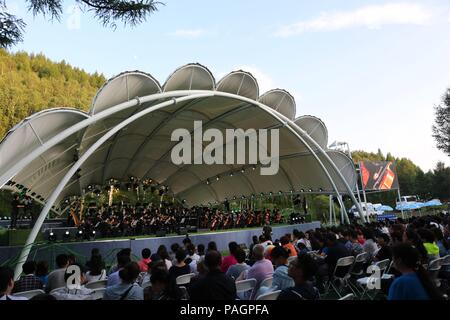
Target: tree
<point x="441" y="128"/>
<point x="108" y="12"/>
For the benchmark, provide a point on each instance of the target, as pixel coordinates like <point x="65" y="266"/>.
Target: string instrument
<point x="250" y="218"/>
<point x="267" y="217"/>
<point x="258" y="219"/>
<point x="213" y="223"/>
<point x="226" y="222"/>
<point x="74" y="216"/>
<point x="238" y="219"/>
<point x="278" y="217"/>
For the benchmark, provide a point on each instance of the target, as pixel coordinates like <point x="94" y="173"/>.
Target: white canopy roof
<point x="142" y="149"/>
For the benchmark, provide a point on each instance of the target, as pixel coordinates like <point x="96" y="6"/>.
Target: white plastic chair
<point x="291" y="258"/>
<point x="29" y="294"/>
<point x="349" y="296"/>
<point x="382" y="266"/>
<point x="98" y="293"/>
<point x="97" y="284"/>
<point x="267" y="282"/>
<point x="341" y="273"/>
<point x="433" y="269"/>
<point x="57" y="289"/>
<point x="184" y="279"/>
<point x="243" y="287"/>
<point x="269" y="296"/>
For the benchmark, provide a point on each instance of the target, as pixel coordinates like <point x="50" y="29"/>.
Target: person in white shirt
<point x="7" y="284"/>
<point x="75" y="289"/>
<point x="56" y="277"/>
<point x="114" y="278"/>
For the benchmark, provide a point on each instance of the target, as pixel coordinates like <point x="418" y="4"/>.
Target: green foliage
<point x="31" y="82"/>
<point x="441" y="128"/>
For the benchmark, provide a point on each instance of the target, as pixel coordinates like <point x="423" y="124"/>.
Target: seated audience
<point x="127" y="288"/>
<point x="285" y="243"/>
<point x="180" y="267"/>
<point x="302" y="271"/>
<point x="143" y="263"/>
<point x="74" y="289"/>
<point x="230" y="259"/>
<point x="42" y="271"/>
<point x="385" y="251"/>
<point x="215" y="285"/>
<point x="163" y="288"/>
<point x="235" y="270"/>
<point x="7" y="284"/>
<point x="414" y="283"/>
<point x="97" y="269"/>
<point x="122" y="260"/>
<point x="28" y="281"/>
<point x="56" y="277"/>
<point x="281" y="279"/>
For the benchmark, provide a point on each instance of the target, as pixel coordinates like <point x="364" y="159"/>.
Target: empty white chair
<point x="349" y="296"/>
<point x="97" y="284"/>
<point x="184" y="279"/>
<point x="341" y="274"/>
<point x="98" y="293"/>
<point x="269" y="296"/>
<point x="57" y="289"/>
<point x="267" y="282"/>
<point x="379" y="269"/>
<point x="433" y="269"/>
<point x="245" y="288"/>
<point x="29" y="294"/>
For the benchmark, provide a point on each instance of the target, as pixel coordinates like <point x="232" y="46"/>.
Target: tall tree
<point x="108" y="12"/>
<point x="441" y="128"/>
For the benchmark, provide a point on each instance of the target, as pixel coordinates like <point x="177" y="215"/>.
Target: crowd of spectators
<point x="299" y="265"/>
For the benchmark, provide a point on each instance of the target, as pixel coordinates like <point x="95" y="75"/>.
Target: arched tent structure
<point x="58" y="153"/>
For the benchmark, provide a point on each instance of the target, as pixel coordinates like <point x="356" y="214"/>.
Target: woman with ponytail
<point x="414" y="283"/>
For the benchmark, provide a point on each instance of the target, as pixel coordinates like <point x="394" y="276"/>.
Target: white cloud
<point x="188" y="33"/>
<point x="369" y="17"/>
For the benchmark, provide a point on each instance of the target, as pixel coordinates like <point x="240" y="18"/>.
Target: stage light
<point x="310" y="190"/>
<point x="217" y="178"/>
<point x="320" y="189"/>
<point x="51" y="237"/>
<point x="89" y="187"/>
<point x="231" y="174"/>
<point x="243" y="170"/>
<point x="92" y="235"/>
<point x="79" y="235"/>
<point x="234" y="198"/>
<point x="207" y="181"/>
<point x="243" y="197"/>
<point x="262" y="194"/>
<point x="280" y="192"/>
<point x="254" y="168"/>
<point x="66" y="235"/>
<point x="292" y="191"/>
<point x="270" y="193"/>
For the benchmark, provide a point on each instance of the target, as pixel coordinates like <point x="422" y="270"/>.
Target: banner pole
<point x="364" y="196"/>
<point x="400" y="202"/>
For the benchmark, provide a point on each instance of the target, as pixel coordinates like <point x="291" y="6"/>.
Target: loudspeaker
<point x="192" y="229"/>
<point x="161" y="233"/>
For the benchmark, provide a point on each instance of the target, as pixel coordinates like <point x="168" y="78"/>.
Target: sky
<point x="371" y="70"/>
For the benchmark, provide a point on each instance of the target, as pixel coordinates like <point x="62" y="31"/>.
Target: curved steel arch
<point x="37" y="226"/>
<point x="115" y="129"/>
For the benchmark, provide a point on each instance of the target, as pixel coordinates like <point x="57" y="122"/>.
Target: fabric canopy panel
<point x="143" y="148"/>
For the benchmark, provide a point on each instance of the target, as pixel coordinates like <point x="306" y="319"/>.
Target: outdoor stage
<point x="109" y="247"/>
